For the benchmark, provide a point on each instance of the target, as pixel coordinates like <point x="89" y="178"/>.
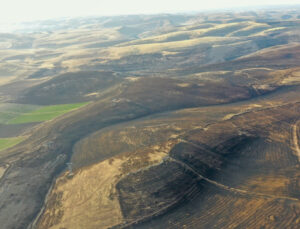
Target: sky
<point x="30" y="10"/>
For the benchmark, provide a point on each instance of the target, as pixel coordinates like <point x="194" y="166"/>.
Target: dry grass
<point x="6" y="80"/>
<point x="226" y="211"/>
<point x="290" y="76"/>
<point x="118" y="52"/>
<point x="189" y="32"/>
<point x="2" y="171"/>
<point x="265" y="32"/>
<point x="251" y="26"/>
<point x="276" y="185"/>
<point x="293" y="78"/>
<point x="88" y="199"/>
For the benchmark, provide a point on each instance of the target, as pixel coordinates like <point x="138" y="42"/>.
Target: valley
<point x="152" y="121"/>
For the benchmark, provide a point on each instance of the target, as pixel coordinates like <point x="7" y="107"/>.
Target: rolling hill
<point x="152" y="121"/>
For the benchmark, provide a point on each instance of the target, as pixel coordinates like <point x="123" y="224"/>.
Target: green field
<point x="9" y="111"/>
<point x="6" y="143"/>
<point x="44" y="113"/>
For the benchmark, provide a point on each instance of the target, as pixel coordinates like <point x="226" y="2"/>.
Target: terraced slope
<point x="190" y="171"/>
<point x="263" y="178"/>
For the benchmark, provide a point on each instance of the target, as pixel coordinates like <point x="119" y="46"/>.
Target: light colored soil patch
<point x="293" y="78"/>
<point x="5" y="80"/>
<point x="132" y="79"/>
<point x="119" y="52"/>
<point x="2" y="171"/>
<point x="243" y="110"/>
<point x="88" y="199"/>
<point x="295" y="140"/>
<point x="229" y="116"/>
<point x="286" y="76"/>
<point x="166" y="53"/>
<point x="92" y="94"/>
<point x="265" y="32"/>
<point x="183" y="84"/>
<point x="296" y="74"/>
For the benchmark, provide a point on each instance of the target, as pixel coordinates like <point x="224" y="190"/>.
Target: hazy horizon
<point x="16" y="11"/>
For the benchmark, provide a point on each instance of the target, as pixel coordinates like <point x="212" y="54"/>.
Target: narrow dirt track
<point x="236" y="190"/>
<point x="219" y="185"/>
